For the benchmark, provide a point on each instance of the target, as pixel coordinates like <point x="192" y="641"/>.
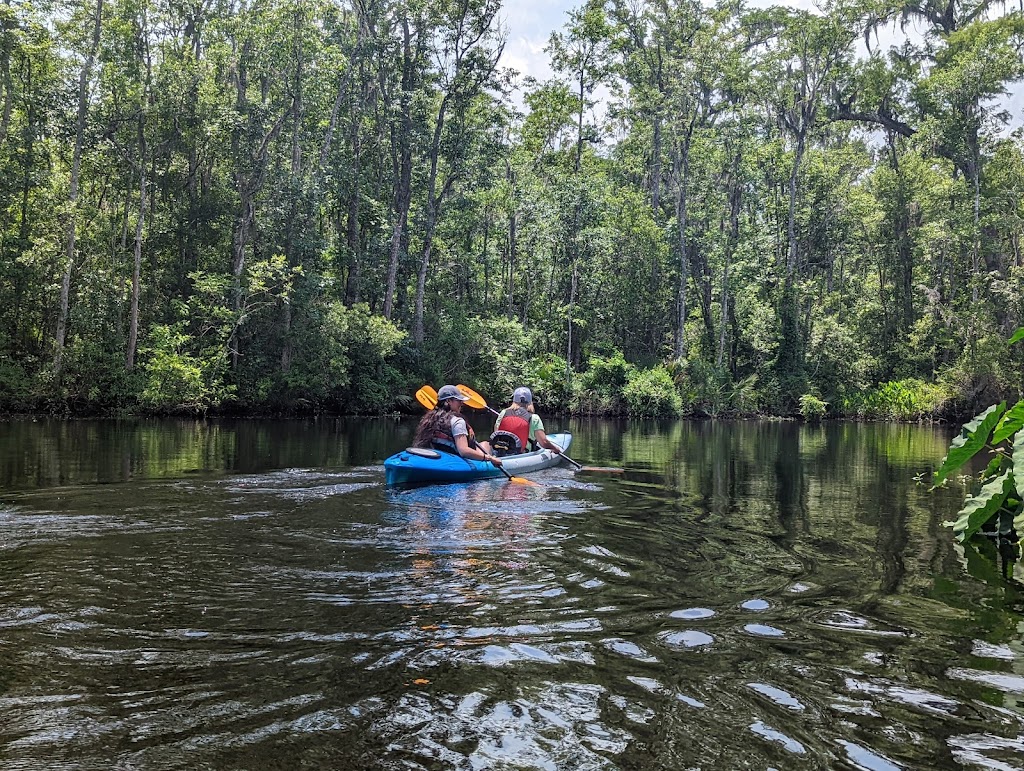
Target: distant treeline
<point x="303" y="205"/>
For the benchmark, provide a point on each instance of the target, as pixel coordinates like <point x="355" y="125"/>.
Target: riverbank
<point x="608" y="387"/>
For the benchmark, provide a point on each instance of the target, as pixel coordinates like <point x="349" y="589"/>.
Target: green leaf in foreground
<point x="1018" y="456"/>
<point x="1018" y="473"/>
<point x="973" y="438"/>
<point x="1010" y="423"/>
<point x="1018" y="335"/>
<point x="1018" y="521"/>
<point x="995" y="466"/>
<point x="981" y="507"/>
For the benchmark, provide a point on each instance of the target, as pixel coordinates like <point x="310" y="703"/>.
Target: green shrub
<point x="651" y="393"/>
<point x="706" y="389"/>
<point x="94" y="378"/>
<point x="812" y="408"/>
<point x="15" y="386"/>
<point x="546" y="376"/>
<point x="343" y="360"/>
<point x="909" y="399"/>
<point x="835" y="358"/>
<point x="993" y="500"/>
<point x="174" y="380"/>
<point x="371" y="345"/>
<point x="492" y="356"/>
<point x="600" y="389"/>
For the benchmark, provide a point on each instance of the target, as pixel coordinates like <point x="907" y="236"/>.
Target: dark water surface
<point x="249" y="595"/>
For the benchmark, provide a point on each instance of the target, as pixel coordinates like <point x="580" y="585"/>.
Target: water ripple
<point x="687" y="614"/>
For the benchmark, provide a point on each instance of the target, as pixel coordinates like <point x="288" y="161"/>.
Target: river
<point x="249" y="595"/>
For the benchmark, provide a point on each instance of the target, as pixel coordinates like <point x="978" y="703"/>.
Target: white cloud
<point x="530" y="23"/>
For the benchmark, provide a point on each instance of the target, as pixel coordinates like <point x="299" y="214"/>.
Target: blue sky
<point x="531" y="22"/>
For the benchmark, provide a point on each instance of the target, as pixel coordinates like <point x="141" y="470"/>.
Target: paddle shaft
<point x="503" y="470"/>
<point x="478" y="402"/>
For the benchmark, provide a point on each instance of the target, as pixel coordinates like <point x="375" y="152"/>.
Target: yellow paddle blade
<point x="427" y="397"/>
<point x="476" y="401"/>
<point x="523" y="481"/>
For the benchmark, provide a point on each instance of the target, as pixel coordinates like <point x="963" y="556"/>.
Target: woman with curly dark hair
<point x="444" y="429"/>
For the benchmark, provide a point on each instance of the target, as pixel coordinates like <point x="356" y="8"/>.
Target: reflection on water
<point x="250" y="595"/>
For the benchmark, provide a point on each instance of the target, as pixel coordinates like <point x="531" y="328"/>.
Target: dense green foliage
<point x="307" y="205"/>
<point x="994" y="499"/>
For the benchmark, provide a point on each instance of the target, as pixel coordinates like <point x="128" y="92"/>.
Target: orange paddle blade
<point x="476" y="401"/>
<point x="427" y="396"/>
<point x="524" y="481"/>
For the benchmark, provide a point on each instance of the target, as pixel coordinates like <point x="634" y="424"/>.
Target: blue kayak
<point x="419" y="466"/>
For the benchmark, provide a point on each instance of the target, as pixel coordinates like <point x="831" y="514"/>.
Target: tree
<point x="466" y="51"/>
<point x="84" y="76"/>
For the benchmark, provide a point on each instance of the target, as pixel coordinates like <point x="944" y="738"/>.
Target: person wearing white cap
<point x="518" y="428"/>
<point x="444" y="428"/>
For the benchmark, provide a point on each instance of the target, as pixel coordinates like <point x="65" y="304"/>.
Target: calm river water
<point x="229" y="595"/>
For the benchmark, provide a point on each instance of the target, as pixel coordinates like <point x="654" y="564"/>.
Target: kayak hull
<point x="407" y="467"/>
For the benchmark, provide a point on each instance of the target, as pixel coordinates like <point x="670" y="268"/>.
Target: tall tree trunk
<point x="248" y="185"/>
<point x="401" y="141"/>
<point x="434" y="201"/>
<point x="421" y="284"/>
<point x="512" y="238"/>
<point x="976" y="229"/>
<point x="76" y="168"/>
<point x="396" y="248"/>
<point x="656" y="169"/>
<point x="682" y="174"/>
<point x="133" y="316"/>
<point x="791" y="221"/>
<point x="702" y="276"/>
<point x="579" y="126"/>
<point x="24" y="225"/>
<point x="352" y="237"/>
<point x="5" y="74"/>
<point x="486" y="258"/>
<point x="296" y="185"/>
<point x="735" y="201"/>
<point x="569" y="349"/>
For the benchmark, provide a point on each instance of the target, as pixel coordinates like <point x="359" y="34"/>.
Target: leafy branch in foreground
<point x="998" y="500"/>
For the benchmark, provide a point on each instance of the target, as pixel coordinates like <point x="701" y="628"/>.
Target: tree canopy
<point x="708" y="208"/>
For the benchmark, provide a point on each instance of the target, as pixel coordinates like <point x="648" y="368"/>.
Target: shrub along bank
<point x="363" y="364"/>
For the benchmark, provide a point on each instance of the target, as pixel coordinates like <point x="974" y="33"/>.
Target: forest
<point x="710" y="209"/>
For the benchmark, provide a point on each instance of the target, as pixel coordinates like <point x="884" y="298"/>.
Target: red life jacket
<point x="514" y="421"/>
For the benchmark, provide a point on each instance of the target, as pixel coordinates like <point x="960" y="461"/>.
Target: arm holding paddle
<point x="476" y="401"/>
<point x="429" y="398"/>
<point x="474" y="453"/>
<point x="542" y="440"/>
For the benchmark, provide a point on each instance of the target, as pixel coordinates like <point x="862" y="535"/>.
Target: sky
<point x="531" y="22"/>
